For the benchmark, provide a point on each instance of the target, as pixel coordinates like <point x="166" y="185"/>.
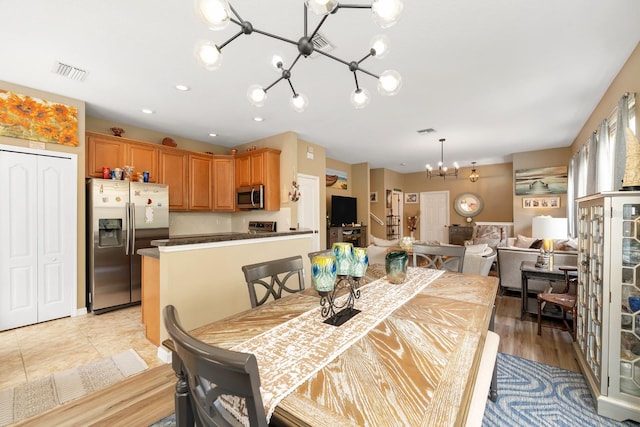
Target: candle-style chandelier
<point x="217" y="14"/>
<point x="473" y="176"/>
<point x="442" y="171"/>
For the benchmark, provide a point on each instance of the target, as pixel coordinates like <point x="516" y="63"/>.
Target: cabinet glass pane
<point x="630" y="304"/>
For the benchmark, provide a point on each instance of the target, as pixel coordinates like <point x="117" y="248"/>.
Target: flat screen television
<point x="344" y="210"/>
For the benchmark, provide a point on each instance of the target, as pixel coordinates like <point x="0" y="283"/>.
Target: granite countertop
<point x="223" y="237"/>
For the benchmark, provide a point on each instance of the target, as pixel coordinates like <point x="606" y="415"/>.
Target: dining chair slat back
<point x="439" y="257"/>
<point x="209" y="372"/>
<point x="274" y="277"/>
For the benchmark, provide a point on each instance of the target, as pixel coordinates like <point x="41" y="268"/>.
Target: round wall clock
<point x="468" y="205"/>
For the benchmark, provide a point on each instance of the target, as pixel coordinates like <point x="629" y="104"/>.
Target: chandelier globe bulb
<point x="360" y="98"/>
<point x="322" y="7"/>
<point x="299" y="102"/>
<point x="389" y="83"/>
<point x="214" y="13"/>
<point x="256" y="95"/>
<point x="386" y="13"/>
<point x="208" y="55"/>
<point x="380" y="45"/>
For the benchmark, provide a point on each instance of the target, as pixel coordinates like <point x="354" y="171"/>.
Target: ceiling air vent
<point x="425" y="131"/>
<point x="320" y="42"/>
<point x="69" y="71"/>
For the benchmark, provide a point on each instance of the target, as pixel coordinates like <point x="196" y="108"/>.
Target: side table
<point x="529" y="270"/>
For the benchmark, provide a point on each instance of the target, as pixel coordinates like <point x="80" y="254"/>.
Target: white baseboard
<point x="79" y="312"/>
<point x="164" y="354"/>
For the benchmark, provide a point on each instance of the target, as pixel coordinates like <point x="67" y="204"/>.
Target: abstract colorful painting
<point x="22" y="116"/>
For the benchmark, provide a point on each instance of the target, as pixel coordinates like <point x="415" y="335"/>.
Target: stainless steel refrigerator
<point x="122" y="217"/>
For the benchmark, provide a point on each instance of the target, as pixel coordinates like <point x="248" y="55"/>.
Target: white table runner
<point x="289" y="354"/>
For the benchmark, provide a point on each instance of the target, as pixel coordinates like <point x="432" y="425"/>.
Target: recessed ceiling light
<point x="213" y="134"/>
<point x="183" y="88"/>
<point x="147" y="111"/>
<point x="258" y="119"/>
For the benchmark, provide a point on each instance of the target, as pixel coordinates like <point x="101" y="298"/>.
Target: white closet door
<point x="19" y="246"/>
<point x="56" y="237"/>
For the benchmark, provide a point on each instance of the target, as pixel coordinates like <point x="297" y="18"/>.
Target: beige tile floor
<point x="36" y="351"/>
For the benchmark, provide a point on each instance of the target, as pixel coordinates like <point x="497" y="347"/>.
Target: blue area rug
<point x="531" y="394"/>
<point x="535" y="394"/>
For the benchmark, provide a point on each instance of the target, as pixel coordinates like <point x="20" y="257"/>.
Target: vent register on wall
<point x="122" y="217"/>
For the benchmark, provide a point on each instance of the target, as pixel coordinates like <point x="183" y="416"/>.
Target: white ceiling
<point x="493" y="77"/>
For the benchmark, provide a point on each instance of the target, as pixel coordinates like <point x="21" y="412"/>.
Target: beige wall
<point x="627" y="80"/>
<point x="80" y="152"/>
<point x="537" y="159"/>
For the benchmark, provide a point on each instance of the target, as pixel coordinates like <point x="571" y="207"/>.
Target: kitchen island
<point x="202" y="275"/>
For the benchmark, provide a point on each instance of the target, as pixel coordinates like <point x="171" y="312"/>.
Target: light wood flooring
<point x="147" y="397"/>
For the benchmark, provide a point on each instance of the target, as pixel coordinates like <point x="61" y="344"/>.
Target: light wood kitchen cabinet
<point x="143" y="157"/>
<point x="223" y="183"/>
<point x="174" y="171"/>
<point x="200" y="182"/>
<point x="257" y="167"/>
<point x="103" y="151"/>
<point x="116" y="152"/>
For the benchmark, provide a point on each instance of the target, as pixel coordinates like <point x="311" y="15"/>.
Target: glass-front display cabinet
<point x="608" y="314"/>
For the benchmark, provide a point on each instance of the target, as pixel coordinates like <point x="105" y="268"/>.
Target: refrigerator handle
<point x="133" y="228"/>
<point x="128" y="225"/>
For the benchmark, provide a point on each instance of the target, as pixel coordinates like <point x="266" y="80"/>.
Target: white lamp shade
<point x="214" y="13"/>
<point x="546" y="227"/>
<point x="386" y="12"/>
<point x="208" y="55"/>
<point x="389" y="83"/>
<point x="321" y="7"/>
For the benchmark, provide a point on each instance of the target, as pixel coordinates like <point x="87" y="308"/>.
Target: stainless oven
<point x="250" y="197"/>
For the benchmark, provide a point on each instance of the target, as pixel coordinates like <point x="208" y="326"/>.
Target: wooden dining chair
<point x="271" y="278"/>
<point x="205" y="373"/>
<point x="564" y="300"/>
<point x="439" y="257"/>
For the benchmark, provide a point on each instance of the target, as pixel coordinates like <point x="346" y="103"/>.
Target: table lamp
<point x="548" y="229"/>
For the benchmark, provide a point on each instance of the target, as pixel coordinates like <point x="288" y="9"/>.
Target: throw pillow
<point x="382" y="242"/>
<point x="524" y="242"/>
<point x="476" y="249"/>
<point x="536" y="245"/>
<point x="492" y="243"/>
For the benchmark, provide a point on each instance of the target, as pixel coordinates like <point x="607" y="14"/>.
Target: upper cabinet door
<point x="224" y="190"/>
<point x="243" y="171"/>
<point x="143" y="157"/>
<point x="103" y="152"/>
<point x="173" y="171"/>
<point x="200" y="182"/>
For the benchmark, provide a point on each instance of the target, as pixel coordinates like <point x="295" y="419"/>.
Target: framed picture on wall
<point x="540" y="202"/>
<point x="411" y="198"/>
<point x="552" y="180"/>
<point x="373" y="197"/>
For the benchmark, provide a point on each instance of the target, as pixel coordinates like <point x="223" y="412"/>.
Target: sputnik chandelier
<point x="217" y="14"/>
<point x="442" y="171"/>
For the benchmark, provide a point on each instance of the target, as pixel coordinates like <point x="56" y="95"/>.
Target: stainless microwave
<point x="250" y="197"/>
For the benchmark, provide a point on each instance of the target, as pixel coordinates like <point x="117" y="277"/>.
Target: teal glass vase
<point x="343" y="252"/>
<point x="323" y="273"/>
<point x="360" y="262"/>
<point x="395" y="265"/>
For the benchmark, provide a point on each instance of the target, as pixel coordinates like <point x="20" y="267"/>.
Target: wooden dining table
<point x="416" y="367"/>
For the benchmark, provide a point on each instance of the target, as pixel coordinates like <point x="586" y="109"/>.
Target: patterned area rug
<point x="530" y="394"/>
<point x="41" y="395"/>
<point x="535" y="394"/>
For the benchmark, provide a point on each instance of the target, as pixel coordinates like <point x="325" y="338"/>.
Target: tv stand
<point x="356" y="234"/>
